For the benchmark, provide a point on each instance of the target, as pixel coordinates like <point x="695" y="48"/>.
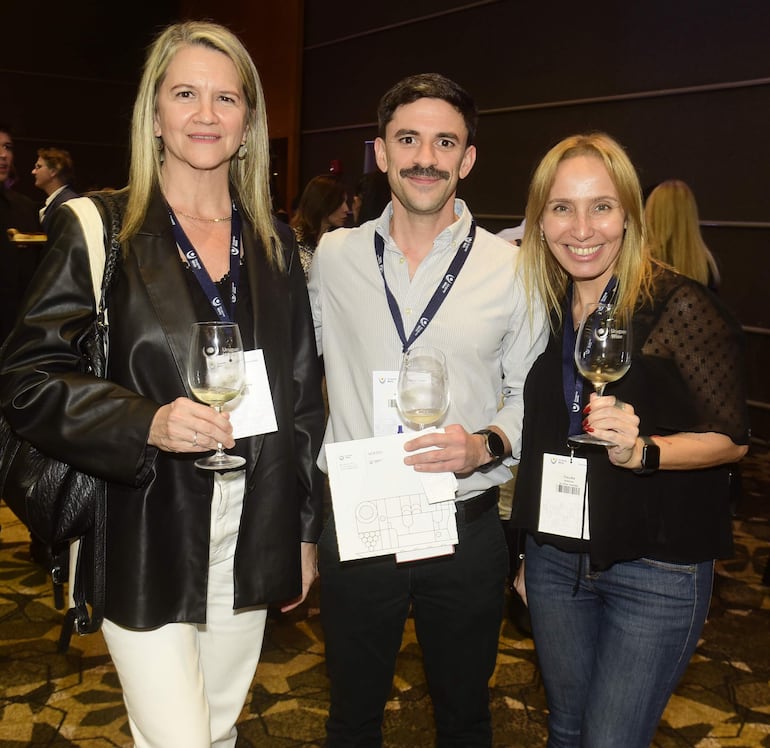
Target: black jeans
<point x="458" y="604"/>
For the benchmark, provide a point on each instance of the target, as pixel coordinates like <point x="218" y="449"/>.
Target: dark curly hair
<point x="320" y="198"/>
<point x="428" y="86"/>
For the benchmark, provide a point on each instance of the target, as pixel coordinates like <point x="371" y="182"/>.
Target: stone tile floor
<point x="48" y="699"/>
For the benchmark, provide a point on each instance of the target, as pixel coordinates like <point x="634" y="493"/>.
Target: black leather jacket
<point x="158" y="507"/>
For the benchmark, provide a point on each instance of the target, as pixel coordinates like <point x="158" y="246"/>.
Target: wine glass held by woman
<point x="185" y="613"/>
<point x="621" y="540"/>
<point x="602" y="353"/>
<point x="216" y="375"/>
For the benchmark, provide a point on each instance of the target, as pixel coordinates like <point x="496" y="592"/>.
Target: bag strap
<point x="103" y="264"/>
<point x="93" y="230"/>
<point x="111" y="227"/>
<point x="102" y="261"/>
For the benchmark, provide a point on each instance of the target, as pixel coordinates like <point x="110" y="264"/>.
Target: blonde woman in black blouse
<point x="618" y="602"/>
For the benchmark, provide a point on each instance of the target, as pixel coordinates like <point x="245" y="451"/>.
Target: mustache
<point x="429" y="172"/>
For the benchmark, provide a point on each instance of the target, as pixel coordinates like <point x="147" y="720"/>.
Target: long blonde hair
<point x="673" y="232"/>
<point x="249" y="177"/>
<point x="543" y="275"/>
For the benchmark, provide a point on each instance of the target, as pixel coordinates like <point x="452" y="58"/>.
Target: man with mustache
<point x="423" y="273"/>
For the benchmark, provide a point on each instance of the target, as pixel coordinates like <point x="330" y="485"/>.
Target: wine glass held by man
<point x="422" y="390"/>
<point x="621" y="540"/>
<point x="184" y="613"/>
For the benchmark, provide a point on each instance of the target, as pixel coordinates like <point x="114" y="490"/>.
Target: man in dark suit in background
<point x="54" y="173"/>
<point x="18" y="261"/>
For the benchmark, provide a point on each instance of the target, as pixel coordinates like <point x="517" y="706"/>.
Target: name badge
<point x="564" y="497"/>
<point x="252" y="413"/>
<point x="385" y="418"/>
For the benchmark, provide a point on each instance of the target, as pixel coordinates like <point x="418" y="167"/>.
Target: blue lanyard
<point x="572" y="380"/>
<point x="438" y="295"/>
<point x="201" y="274"/>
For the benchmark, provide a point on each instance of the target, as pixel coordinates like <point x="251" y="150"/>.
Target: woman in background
<point x="673" y="233"/>
<point x="322" y="206"/>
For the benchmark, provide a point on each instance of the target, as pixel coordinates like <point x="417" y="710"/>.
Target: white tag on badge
<point x="385" y="417"/>
<point x="564" y="497"/>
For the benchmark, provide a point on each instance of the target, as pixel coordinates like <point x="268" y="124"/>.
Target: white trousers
<point x="184" y="685"/>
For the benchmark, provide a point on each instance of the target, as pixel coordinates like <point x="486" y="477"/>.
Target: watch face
<point x="496" y="445"/>
<point x="651" y="457"/>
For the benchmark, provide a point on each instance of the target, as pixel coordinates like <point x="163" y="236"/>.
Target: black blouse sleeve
<point x="705" y="344"/>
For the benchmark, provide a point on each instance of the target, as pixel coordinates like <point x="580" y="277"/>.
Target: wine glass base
<point x="580" y="439"/>
<point x="217" y="462"/>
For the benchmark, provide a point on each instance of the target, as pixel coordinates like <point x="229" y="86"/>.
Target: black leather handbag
<point x="58" y="503"/>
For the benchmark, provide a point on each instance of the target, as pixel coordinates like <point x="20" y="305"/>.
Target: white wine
<point x="423" y="416"/>
<point x="604" y="374"/>
<point x="216" y="396"/>
<point x="422" y="392"/>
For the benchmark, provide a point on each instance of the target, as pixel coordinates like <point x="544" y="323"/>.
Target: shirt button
<point x="402" y="260"/>
<point x="408" y="311"/>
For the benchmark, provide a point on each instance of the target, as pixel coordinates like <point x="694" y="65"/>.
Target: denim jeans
<point x="612" y="652"/>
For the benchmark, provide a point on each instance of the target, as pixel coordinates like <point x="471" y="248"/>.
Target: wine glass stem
<point x="599" y="388"/>
<point x="220" y="451"/>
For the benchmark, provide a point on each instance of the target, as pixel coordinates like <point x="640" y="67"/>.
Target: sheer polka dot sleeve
<point x="706" y="344"/>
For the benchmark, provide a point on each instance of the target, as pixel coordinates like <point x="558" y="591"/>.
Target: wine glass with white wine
<point x="602" y="352"/>
<point x="422" y="393"/>
<point x="216" y="372"/>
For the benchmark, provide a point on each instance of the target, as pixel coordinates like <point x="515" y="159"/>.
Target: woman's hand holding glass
<point x="612" y="419"/>
<point x="184" y="425"/>
<point x="602" y="355"/>
<point x="216" y="374"/>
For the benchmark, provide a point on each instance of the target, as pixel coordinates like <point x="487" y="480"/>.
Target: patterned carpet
<point x="47" y="699"/>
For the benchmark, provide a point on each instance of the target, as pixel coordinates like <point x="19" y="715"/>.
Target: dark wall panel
<point x="666" y="137"/>
<point x="684" y="86"/>
<point x="326" y="22"/>
<point x="68" y="76"/>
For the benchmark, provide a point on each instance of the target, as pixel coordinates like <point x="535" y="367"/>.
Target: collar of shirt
<point x="449" y="239"/>
<point x="51" y="197"/>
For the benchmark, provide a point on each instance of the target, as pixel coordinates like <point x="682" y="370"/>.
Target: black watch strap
<point x="650" y="457"/>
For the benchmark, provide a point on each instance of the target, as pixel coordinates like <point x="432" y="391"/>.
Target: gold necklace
<point x="205" y="220"/>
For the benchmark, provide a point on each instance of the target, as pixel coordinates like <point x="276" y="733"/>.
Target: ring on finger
<point x="195" y="439"/>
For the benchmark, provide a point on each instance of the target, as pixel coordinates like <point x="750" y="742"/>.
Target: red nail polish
<point x="587" y="409"/>
<point x="590" y="429"/>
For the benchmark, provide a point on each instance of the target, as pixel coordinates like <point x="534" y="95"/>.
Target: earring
<point x="160" y="146"/>
<point x="242" y="151"/>
<point x="542" y="235"/>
